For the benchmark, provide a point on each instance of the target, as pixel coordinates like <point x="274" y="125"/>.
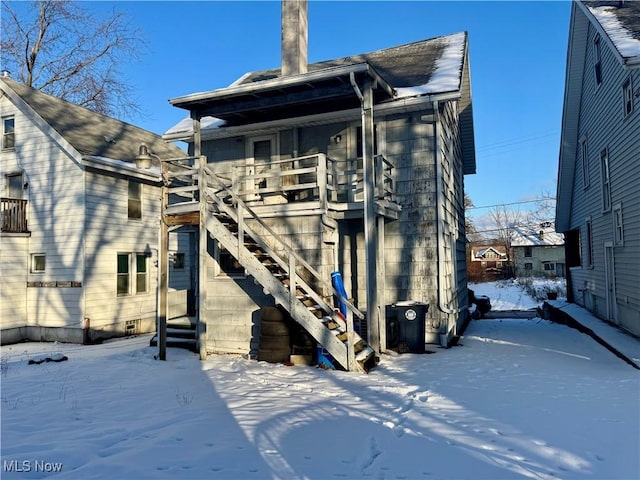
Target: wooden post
<point x="370" y="234"/>
<point x="201" y="290"/>
<point x="163" y="268"/>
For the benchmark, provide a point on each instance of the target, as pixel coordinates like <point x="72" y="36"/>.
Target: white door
<point x="610" y="282"/>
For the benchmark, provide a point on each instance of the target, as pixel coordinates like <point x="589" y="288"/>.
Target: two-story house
<point x="538" y="251"/>
<point x="79" y="223"/>
<point x="352" y="166"/>
<point x="598" y="205"/>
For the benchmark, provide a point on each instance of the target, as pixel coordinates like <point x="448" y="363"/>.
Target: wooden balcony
<point x="312" y="183"/>
<point x="13" y="215"/>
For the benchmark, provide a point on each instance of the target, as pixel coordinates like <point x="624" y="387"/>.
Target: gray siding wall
<point x="411" y="269"/>
<point x="14" y="266"/>
<point x="603" y="124"/>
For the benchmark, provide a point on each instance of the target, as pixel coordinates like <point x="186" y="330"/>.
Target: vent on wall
<point x="131" y="327"/>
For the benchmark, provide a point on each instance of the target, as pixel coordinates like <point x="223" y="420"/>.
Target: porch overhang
<point x="317" y="92"/>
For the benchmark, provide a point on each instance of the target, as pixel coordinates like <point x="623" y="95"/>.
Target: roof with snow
<point x="95" y="136"/>
<point x="621" y="22"/>
<point x="432" y="68"/>
<point x="544" y="236"/>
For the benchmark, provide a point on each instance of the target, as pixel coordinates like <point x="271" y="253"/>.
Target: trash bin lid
<point x="409" y="303"/>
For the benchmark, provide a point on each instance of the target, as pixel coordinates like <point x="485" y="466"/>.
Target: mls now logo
<point x="29" y="466"/>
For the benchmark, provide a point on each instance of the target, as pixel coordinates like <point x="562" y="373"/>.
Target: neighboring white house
<point x="598" y="200"/>
<point x="79" y="222"/>
<point x="538" y="252"/>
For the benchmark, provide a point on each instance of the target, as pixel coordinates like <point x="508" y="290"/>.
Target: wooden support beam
<point x="163" y="254"/>
<point x="370" y="229"/>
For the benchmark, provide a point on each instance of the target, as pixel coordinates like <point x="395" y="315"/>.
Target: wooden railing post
<point x="322" y="180"/>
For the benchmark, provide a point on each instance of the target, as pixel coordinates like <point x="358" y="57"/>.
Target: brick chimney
<point x="294" y="37"/>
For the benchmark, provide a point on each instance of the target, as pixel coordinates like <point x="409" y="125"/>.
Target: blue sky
<point x="517" y="55"/>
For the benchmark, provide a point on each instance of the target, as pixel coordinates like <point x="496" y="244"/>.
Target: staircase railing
<point x="237" y="209"/>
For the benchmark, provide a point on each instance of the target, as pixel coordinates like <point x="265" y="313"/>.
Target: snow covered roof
<point x="426" y="67"/>
<point x="91" y="134"/>
<point x="545" y="236"/>
<point x="621" y="22"/>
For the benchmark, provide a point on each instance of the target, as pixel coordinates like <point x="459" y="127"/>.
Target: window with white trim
<point x="38" y="263"/>
<point x="8" y="133"/>
<point x="597" y="66"/>
<point x="549" y="266"/>
<point x="14" y="185"/>
<point x="627" y="97"/>
<point x="606" y="180"/>
<point x="618" y="226"/>
<point x="132" y="274"/>
<point x="528" y="251"/>
<point x="589" y="243"/>
<point x="134" y="207"/>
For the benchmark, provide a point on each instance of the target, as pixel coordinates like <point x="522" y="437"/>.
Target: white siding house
<point x="79" y="236"/>
<point x="598" y="205"/>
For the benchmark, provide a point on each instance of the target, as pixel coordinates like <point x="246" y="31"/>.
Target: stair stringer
<point x="298" y="311"/>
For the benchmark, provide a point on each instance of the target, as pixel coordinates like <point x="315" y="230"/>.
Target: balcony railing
<point x="312" y="178"/>
<point x="13" y="215"/>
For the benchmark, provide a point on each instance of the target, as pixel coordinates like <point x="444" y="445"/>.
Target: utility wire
<point x="512" y="203"/>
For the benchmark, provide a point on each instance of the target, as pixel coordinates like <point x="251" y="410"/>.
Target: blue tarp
<point x="336" y="280"/>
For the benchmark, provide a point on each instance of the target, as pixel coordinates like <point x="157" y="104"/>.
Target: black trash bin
<point x="411" y="318"/>
<point x="393" y="328"/>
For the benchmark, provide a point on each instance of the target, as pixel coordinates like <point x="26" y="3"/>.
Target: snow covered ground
<point x="518" y="399"/>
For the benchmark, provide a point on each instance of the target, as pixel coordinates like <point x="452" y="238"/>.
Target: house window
<point x="178" y="261"/>
<point x="606" y="180"/>
<point x="135" y="200"/>
<point x="597" y="60"/>
<point x="618" y="226"/>
<point x="572" y="248"/>
<point x="528" y="251"/>
<point x="528" y="266"/>
<point x="8" y="133"/>
<point x="141" y="273"/>
<point x="14" y="185"/>
<point x="38" y="262"/>
<point x="627" y="97"/>
<point x="589" y="253"/>
<point x="549" y="267"/>
<point x="584" y="153"/>
<point x="123" y="274"/>
<point x="128" y="263"/>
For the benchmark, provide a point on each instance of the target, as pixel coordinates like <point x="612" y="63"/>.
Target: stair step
<point x="173" y="342"/>
<point x="364" y="354"/>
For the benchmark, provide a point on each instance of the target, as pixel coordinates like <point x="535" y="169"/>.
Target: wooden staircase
<point x="284" y="275"/>
<point x="181" y="333"/>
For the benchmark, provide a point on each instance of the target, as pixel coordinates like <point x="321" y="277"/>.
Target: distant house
<point x="486" y="262"/>
<point x="538" y="252"/>
<point x="79" y="222"/>
<point x="598" y="204"/>
<point x="352" y="166"/>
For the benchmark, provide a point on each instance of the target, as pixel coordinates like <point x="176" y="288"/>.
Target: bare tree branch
<point x="61" y="49"/>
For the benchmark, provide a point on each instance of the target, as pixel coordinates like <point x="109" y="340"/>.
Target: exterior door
<point x="260" y="152"/>
<point x="610" y="282"/>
